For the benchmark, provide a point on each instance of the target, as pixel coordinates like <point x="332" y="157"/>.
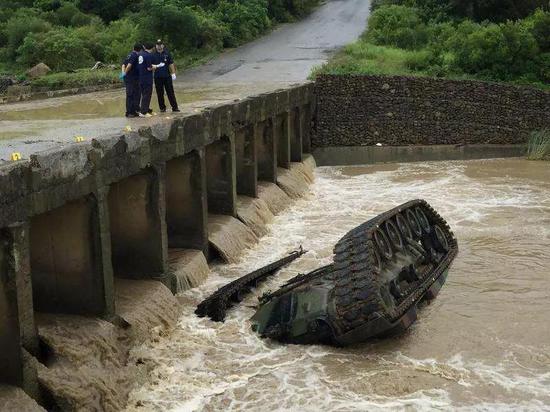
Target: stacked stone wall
<point x="396" y="111"/>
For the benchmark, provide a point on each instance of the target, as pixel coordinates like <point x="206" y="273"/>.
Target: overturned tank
<point x="380" y="273"/>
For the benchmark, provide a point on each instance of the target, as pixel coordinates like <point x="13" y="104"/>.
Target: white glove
<point x="173" y="76"/>
<point x="160" y="65"/>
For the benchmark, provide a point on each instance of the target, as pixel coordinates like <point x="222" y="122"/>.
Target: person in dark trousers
<point x="164" y="77"/>
<point x="130" y="73"/>
<point x="146" y="72"/>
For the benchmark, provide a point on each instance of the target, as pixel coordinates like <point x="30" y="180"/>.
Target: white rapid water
<point x="483" y="344"/>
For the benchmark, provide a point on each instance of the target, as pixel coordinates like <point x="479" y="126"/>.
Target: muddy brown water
<point x="483" y="344"/>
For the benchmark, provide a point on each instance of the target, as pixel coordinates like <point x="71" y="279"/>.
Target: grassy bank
<point x="409" y="40"/>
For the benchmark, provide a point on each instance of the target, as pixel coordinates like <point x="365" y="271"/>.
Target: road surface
<point x="284" y="56"/>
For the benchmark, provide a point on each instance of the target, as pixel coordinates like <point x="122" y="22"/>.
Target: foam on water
<point x="189" y="267"/>
<point x="254" y="213"/>
<point x="229" y="236"/>
<point x="273" y="196"/>
<point x="482" y="345"/>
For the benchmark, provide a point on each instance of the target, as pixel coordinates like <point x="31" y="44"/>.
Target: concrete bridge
<point x="74" y="219"/>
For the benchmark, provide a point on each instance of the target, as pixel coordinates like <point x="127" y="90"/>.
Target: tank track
<point x="357" y="291"/>
<point x="298" y="281"/>
<point x="216" y="305"/>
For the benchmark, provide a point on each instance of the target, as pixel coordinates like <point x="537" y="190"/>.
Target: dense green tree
<point x="107" y="29"/>
<point x="61" y="49"/>
<point x="23" y="22"/>
<point x="398" y="26"/>
<point x="108" y="10"/>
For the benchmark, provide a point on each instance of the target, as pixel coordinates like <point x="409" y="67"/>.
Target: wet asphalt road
<point x="284" y="56"/>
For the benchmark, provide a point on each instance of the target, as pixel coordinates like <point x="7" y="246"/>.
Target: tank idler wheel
<point x="383" y="244"/>
<point x="439" y="241"/>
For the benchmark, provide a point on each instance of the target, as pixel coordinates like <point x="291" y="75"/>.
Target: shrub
<point x="499" y="52"/>
<point x="538" y="145"/>
<point x="539" y="25"/>
<point x="122" y="35"/>
<point x="211" y="32"/>
<point x="69" y="15"/>
<point x="108" y="10"/>
<point x="61" y="49"/>
<point x="19" y="26"/>
<point x="300" y="7"/>
<point x="397" y="26"/>
<point x="81" y="78"/>
<point x="245" y="20"/>
<point x="178" y="25"/>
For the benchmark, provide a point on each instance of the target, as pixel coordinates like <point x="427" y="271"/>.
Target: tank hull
<point x="381" y="271"/>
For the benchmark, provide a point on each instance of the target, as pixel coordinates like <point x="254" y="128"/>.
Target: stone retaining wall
<point x="396" y="111"/>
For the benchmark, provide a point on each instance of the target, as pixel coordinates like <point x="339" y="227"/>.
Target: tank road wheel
<point x="395" y="289"/>
<point x="394" y="235"/>
<point x="423" y="220"/>
<point x="439" y="241"/>
<point x="413" y="223"/>
<point x="403" y="227"/>
<point x="376" y="262"/>
<point x="383" y="244"/>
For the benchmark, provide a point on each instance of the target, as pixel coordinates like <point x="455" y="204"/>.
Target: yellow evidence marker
<point x="15" y="156"/>
<point x="128" y="129"/>
<point x="79" y="139"/>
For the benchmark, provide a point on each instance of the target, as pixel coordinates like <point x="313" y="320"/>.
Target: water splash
<point x="229" y="236"/>
<point x="15" y="399"/>
<point x="189" y="267"/>
<point x="254" y="213"/>
<point x="273" y="196"/>
<point x="89" y="368"/>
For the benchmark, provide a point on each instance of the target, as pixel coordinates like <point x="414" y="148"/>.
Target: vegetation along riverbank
<point x="69" y="36"/>
<point x="470" y="39"/>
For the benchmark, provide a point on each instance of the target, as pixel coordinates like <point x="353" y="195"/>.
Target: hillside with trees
<point x="72" y="34"/>
<point x="494" y="40"/>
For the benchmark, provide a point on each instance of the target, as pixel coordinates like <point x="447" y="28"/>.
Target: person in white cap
<point x="164" y="77"/>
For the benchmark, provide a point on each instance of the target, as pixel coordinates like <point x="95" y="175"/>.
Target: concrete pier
<point x="73" y="219"/>
<point x="246" y="161"/>
<point x="186" y="208"/>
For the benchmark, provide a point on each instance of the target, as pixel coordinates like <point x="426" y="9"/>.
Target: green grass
<point x="538" y="146"/>
<point x="365" y="58"/>
<point x="79" y="78"/>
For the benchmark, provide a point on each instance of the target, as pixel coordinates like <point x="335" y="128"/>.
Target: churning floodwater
<point x="483" y="344"/>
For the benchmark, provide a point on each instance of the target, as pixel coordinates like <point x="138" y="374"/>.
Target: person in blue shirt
<point x="164" y="77"/>
<point x="130" y="73"/>
<point x="146" y="70"/>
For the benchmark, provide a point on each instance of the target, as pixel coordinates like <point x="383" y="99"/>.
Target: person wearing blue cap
<point x="164" y="77"/>
<point x="130" y="74"/>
